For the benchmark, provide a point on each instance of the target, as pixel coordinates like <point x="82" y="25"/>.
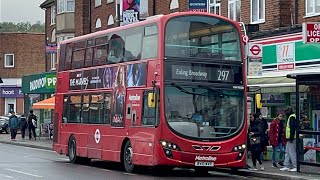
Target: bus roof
<point x="149" y="20"/>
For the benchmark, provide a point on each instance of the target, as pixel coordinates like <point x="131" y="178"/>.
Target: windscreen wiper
<point x="214" y="90"/>
<point x="184" y="90"/>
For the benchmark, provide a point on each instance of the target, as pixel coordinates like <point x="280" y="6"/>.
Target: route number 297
<point x="223" y="75"/>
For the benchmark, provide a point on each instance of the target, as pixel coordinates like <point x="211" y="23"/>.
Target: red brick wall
<point x="2" y="106"/>
<point x="20" y="105"/>
<point x="28" y="50"/>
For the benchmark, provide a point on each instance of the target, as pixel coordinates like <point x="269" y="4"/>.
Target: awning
<point x="273" y="84"/>
<point x="45" y="104"/>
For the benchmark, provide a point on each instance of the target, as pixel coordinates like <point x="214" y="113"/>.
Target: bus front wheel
<point x="127" y="157"/>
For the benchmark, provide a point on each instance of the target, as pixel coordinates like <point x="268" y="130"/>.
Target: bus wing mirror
<point x="258" y="101"/>
<point x="151" y="100"/>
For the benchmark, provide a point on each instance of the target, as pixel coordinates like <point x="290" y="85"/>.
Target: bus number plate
<point x="207" y="164"/>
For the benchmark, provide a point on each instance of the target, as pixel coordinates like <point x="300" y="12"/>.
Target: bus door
<point x="140" y="121"/>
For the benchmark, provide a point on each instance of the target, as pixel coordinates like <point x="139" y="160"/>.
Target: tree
<point x="22" y="27"/>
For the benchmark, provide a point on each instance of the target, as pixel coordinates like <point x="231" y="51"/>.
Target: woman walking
<point x="255" y="135"/>
<point x="277" y="138"/>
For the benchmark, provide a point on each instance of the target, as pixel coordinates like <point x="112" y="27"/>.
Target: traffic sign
<point x="255" y="50"/>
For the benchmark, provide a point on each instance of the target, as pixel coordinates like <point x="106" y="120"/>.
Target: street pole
<point x="118" y="12"/>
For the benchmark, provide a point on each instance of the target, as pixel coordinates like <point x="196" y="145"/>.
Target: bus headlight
<point x="169" y="145"/>
<point x="240" y="149"/>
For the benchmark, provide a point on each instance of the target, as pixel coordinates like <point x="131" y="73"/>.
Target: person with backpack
<point x="23" y="126"/>
<point x="32" y="123"/>
<point x="13" y="124"/>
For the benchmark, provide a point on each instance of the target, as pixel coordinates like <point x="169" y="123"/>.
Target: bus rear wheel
<point x="72" y="151"/>
<point x="127" y="157"/>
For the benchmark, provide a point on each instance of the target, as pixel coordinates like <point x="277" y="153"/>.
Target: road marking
<point x="29" y="174"/>
<point x="45" y="150"/>
<point x="63" y="159"/>
<point x="130" y="174"/>
<point x="106" y="170"/>
<point x="3" y="175"/>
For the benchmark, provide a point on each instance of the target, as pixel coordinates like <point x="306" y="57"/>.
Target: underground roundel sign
<point x="97" y="136"/>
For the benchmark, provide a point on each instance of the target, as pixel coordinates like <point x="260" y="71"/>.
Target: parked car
<point x="4" y="123"/>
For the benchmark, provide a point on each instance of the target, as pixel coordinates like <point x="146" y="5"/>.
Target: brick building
<point x="20" y="54"/>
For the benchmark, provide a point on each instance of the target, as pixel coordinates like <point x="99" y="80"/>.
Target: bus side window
<point x="100" y="55"/>
<point x="116" y="48"/>
<point x="78" y="59"/>
<point x="62" y="57"/>
<point x="69" y="49"/>
<point x="133" y="44"/>
<point x="107" y="105"/>
<point x="96" y="109"/>
<point x="89" y="53"/>
<point x="65" y="115"/>
<point x="150" y="42"/>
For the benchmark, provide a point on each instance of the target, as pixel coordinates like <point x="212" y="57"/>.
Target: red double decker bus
<point x="168" y="91"/>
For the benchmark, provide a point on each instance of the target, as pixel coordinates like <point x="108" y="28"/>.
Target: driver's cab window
<point x="149" y="114"/>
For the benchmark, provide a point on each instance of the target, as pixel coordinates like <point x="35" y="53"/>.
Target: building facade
<point x="20" y="54"/>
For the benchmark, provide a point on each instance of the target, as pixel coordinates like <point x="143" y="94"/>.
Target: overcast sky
<point x="21" y="11"/>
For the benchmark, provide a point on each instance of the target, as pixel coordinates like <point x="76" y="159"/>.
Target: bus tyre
<point x="72" y="151"/>
<point x="127" y="157"/>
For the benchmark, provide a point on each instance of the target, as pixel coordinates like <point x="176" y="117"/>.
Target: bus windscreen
<point x="202" y="37"/>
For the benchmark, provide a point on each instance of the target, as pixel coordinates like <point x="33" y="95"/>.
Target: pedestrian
<point x="256" y="134"/>
<point x="265" y="139"/>
<point x="13" y="124"/>
<point x="23" y="126"/>
<point x="32" y="124"/>
<point x="291" y="142"/>
<point x="277" y="139"/>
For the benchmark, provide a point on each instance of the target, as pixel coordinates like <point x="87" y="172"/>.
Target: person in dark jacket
<point x="291" y="154"/>
<point x="23" y="125"/>
<point x="32" y="124"/>
<point x="256" y="133"/>
<point x="13" y="124"/>
<point x="277" y="138"/>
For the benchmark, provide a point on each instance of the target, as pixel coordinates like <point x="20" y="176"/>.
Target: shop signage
<point x="198" y="5"/>
<point x="286" y="56"/>
<point x="10" y="92"/>
<point x="311" y="32"/>
<point x="39" y="83"/>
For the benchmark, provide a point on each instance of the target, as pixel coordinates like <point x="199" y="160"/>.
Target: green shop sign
<point x="39" y="83"/>
<point x="291" y="52"/>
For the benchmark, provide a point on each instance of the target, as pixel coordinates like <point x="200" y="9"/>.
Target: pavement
<point x="307" y="172"/>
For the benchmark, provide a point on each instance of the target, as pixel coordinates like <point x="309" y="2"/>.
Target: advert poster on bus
<point x="136" y="75"/>
<point x="119" y="91"/>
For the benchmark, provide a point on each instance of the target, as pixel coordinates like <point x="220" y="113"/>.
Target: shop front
<point x="36" y="89"/>
<point x="11" y="99"/>
<point x="281" y="55"/>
